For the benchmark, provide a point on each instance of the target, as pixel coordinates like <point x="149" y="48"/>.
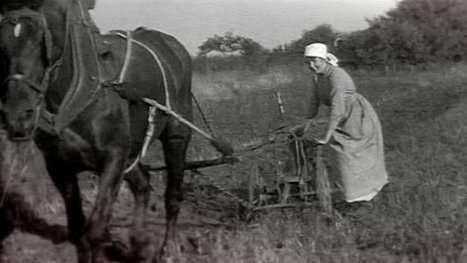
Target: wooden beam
<point x="275" y="206"/>
<point x="193" y="165"/>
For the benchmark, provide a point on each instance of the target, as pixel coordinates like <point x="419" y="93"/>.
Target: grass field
<point x="419" y="217"/>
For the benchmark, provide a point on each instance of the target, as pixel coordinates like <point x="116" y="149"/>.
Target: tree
<point x="323" y="33"/>
<point x="422" y="30"/>
<point x="250" y="47"/>
<point x="280" y="49"/>
<point x="396" y="41"/>
<point x="443" y="24"/>
<point x="416" y="31"/>
<point x="230" y="44"/>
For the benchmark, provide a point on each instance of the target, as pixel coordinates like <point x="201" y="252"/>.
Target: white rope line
<point x="132" y="166"/>
<point x="159" y="63"/>
<point x="121" y="77"/>
<point x="127" y="57"/>
<point x="150" y="131"/>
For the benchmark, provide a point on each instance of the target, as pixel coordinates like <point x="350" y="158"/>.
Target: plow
<point x="300" y="178"/>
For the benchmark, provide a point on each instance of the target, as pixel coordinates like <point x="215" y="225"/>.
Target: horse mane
<point x="8" y="5"/>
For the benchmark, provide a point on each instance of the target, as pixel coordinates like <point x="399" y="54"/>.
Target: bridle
<point x="40" y="88"/>
<point x="13" y="19"/>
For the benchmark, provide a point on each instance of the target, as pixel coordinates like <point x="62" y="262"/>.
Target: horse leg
<point x="6" y="227"/>
<point x="138" y="181"/>
<point x="15" y="213"/>
<point x="66" y="182"/>
<point x="175" y="143"/>
<point x="25" y="218"/>
<point x="97" y="226"/>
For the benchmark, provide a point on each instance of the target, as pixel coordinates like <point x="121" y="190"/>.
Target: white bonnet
<point x="320" y="50"/>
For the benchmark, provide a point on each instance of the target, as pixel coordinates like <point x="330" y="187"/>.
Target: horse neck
<point x="55" y="16"/>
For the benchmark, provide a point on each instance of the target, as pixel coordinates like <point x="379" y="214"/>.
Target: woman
<point x="354" y="131"/>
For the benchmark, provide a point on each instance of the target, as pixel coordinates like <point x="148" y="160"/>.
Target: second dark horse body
<point x="108" y="134"/>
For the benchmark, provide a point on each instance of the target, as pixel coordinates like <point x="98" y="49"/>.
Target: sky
<point x="268" y="22"/>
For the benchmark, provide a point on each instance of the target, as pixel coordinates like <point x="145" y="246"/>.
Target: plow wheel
<point x="303" y="180"/>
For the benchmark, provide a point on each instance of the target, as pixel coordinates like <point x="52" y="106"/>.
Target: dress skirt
<point x="358" y="151"/>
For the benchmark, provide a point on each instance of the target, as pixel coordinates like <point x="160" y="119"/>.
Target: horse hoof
<point x="116" y="251"/>
<point x="142" y="249"/>
<point x="58" y="234"/>
<point x="172" y="252"/>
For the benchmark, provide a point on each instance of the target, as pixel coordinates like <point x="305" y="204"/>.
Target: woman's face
<point x="316" y="64"/>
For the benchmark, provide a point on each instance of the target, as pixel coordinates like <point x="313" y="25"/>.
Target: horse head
<point x="25" y="67"/>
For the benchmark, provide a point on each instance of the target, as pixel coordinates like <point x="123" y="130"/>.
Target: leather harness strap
<point x="85" y="84"/>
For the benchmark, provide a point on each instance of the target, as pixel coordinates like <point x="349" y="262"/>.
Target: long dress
<point x="357" y="140"/>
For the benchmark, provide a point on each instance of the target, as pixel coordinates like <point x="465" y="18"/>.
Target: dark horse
<point x="106" y="136"/>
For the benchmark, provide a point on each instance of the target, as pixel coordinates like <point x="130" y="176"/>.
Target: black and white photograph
<point x="233" y="131"/>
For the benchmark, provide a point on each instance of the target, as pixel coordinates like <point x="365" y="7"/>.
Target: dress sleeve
<point x="338" y="107"/>
<point x="313" y="106"/>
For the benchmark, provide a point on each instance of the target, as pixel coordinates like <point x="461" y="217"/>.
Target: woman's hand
<point x="301" y="129"/>
<point x="326" y="139"/>
<point x="320" y="141"/>
<point x="298" y="130"/>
